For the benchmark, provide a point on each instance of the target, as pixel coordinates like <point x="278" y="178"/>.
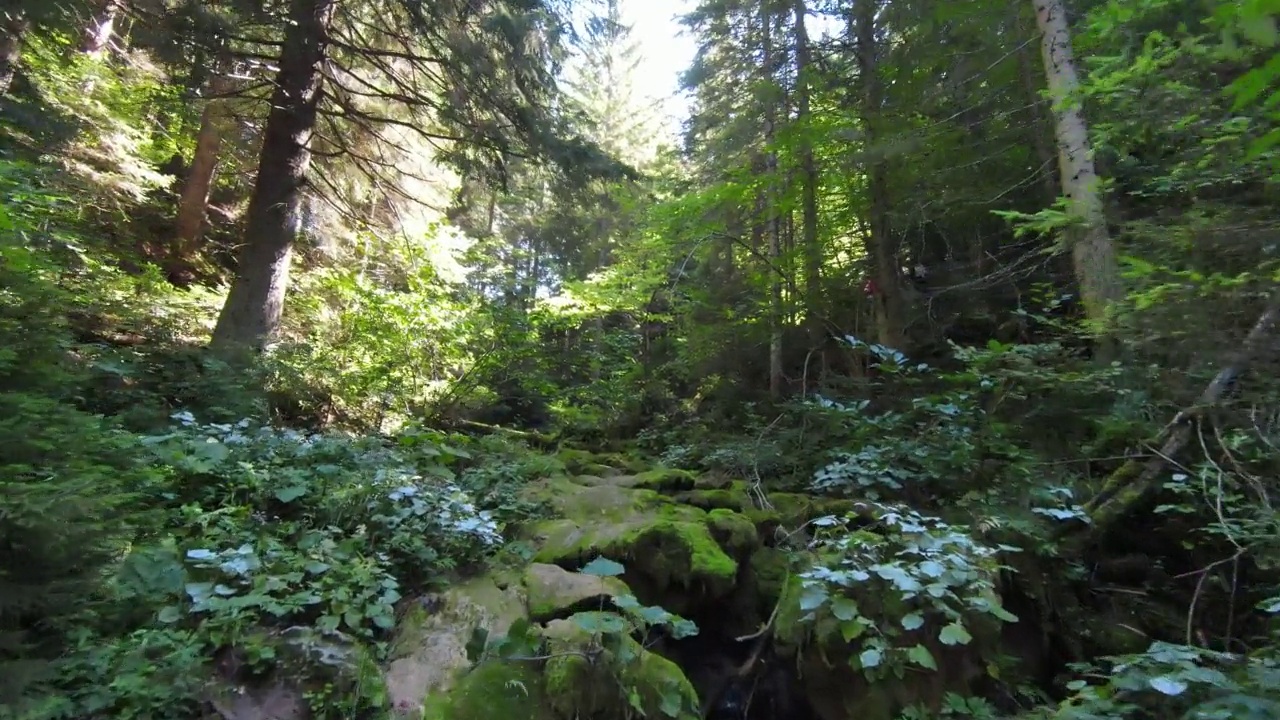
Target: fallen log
<point x="1136" y="480"/>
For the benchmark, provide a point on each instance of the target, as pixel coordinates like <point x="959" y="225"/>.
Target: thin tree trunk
<point x="194" y="201"/>
<point x="890" y="309"/>
<point x="809" y="171"/>
<point x="1135" y="481"/>
<point x="97" y="34"/>
<point x="251" y="315"/>
<point x="774" y="221"/>
<point x="1092" y="253"/>
<point x="13" y="25"/>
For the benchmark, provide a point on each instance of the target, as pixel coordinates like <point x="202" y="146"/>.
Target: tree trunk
<point x="13" y="25"/>
<point x="809" y="172"/>
<point x="771" y="208"/>
<point x="97" y="34"/>
<point x="251" y="315"/>
<point x="195" y="191"/>
<point x="1092" y="253"/>
<point x="882" y="249"/>
<point x="1039" y="127"/>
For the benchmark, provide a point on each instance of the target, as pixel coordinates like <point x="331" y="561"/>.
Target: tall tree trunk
<point x="13" y="25"/>
<point x="251" y="315"/>
<point x="1040" y="129"/>
<point x="97" y="34"/>
<point x="809" y="171"/>
<point x="1092" y="253"/>
<point x="771" y="207"/>
<point x="194" y="201"/>
<point x="889" y="300"/>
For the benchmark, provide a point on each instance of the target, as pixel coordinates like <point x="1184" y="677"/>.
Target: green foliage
<point x="885" y="586"/>
<point x="1177" y="679"/>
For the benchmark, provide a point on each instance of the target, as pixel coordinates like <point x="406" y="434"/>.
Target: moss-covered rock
<point x="769" y="572"/>
<point x="734" y="531"/>
<point x="555" y="592"/>
<point x="492" y="691"/>
<point x="428" y="649"/>
<point x="733" y="497"/>
<point x="670" y="546"/>
<point x="667" y="480"/>
<point x="612" y="678"/>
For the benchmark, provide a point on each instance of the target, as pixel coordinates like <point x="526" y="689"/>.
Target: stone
<point x="430" y="647"/>
<point x="553" y="591"/>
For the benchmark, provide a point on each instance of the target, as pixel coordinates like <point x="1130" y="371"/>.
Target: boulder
<point x="430" y="646"/>
<point x="555" y="592"/>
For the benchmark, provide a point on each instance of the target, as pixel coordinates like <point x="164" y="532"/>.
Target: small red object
<point x="870" y="288"/>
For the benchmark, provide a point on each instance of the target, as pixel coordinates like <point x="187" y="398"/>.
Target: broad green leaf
<point x="870" y="657"/>
<point x="603" y="567"/>
<point x="954" y="634"/>
<point x="921" y="656"/>
<point x="1167" y="685"/>
<point x="912" y="621"/>
<point x="842" y="607"/>
<point x="812" y="597"/>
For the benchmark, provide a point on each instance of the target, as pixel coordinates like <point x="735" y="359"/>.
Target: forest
<point x="406" y="359"/>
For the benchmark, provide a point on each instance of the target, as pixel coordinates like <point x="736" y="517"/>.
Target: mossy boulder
<point x="671" y="546"/>
<point x="733" y="497"/>
<point x="495" y="690"/>
<point x="554" y="592"/>
<point x="793" y="510"/>
<point x="667" y="480"/>
<point x="734" y="532"/>
<point x="428" y="649"/>
<point x="611" y="677"/>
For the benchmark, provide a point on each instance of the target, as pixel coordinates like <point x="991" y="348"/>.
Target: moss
<point x="673" y="546"/>
<point x="554" y="592"/>
<point x="769" y="568"/>
<point x="667" y="480"/>
<point x="734" y="531"/>
<point x="623" y="461"/>
<point x="604" y="686"/>
<point x="575" y="460"/>
<point x="727" y="498"/>
<point x="493" y="691"/>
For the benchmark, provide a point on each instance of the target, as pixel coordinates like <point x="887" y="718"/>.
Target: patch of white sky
<point x="667" y="48"/>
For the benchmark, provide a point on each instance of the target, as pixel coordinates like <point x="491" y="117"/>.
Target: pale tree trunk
<point x="1040" y="129"/>
<point x="882" y="249"/>
<point x="774" y="221"/>
<point x="97" y="34"/>
<point x="13" y="25"/>
<point x="809" y="172"/>
<point x="251" y="315"/>
<point x="194" y="202"/>
<point x="1092" y="253"/>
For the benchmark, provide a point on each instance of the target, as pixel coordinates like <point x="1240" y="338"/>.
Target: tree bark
<point x="13" y="25"/>
<point x="193" y="203"/>
<point x="1092" y="253"/>
<point x="251" y="315"/>
<point x="771" y="208"/>
<point x="882" y="249"/>
<point x="809" y="173"/>
<point x="1039" y="128"/>
<point x="97" y="34"/>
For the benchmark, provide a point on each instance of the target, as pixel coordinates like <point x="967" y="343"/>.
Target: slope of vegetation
<point x="388" y="359"/>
